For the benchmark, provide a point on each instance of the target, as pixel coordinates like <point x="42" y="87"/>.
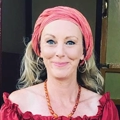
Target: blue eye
<point x="51" y="42"/>
<point x="70" y="43"/>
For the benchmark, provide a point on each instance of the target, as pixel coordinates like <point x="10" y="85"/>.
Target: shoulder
<point x="90" y="100"/>
<point x="108" y="106"/>
<point x="88" y="95"/>
<point x="18" y="95"/>
<point x="26" y="94"/>
<point x="99" y="105"/>
<point x="29" y="99"/>
<point x="106" y="101"/>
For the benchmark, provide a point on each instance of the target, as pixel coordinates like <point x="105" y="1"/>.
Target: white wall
<point x="87" y="7"/>
<point x="13" y="25"/>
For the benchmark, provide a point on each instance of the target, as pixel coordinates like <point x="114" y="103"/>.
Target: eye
<point x="51" y="41"/>
<point x="70" y="42"/>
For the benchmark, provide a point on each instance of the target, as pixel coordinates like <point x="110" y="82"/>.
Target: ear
<point x="82" y="57"/>
<point x="41" y="56"/>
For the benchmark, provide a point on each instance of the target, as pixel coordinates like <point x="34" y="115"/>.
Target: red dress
<point x="11" y="111"/>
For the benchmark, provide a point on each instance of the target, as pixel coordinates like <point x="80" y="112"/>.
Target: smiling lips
<point x="60" y="64"/>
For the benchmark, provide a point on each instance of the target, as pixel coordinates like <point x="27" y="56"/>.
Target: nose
<point x="60" y="51"/>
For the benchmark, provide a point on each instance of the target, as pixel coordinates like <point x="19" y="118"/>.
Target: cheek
<point x="46" y="52"/>
<point x="75" y="54"/>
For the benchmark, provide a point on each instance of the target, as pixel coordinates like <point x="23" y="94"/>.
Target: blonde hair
<point x="91" y="78"/>
<point x="33" y="72"/>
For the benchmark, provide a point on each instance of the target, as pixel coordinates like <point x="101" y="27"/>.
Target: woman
<point x="59" y="78"/>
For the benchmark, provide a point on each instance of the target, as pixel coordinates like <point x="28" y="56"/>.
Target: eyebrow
<point x="65" y="38"/>
<point x="50" y="35"/>
<point x="71" y="37"/>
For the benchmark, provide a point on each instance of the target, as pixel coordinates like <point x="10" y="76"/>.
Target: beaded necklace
<point x="50" y="107"/>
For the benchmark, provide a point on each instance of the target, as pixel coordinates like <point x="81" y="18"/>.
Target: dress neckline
<point x="103" y="100"/>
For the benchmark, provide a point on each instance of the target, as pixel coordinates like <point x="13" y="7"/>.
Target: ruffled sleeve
<point x="9" y="111"/>
<point x="109" y="109"/>
<point x="106" y="111"/>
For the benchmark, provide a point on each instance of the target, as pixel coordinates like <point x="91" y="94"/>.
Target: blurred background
<point x="17" y="19"/>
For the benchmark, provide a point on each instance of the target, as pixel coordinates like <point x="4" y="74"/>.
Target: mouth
<point x="60" y="64"/>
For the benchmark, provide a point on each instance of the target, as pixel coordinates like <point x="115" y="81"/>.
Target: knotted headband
<point x="64" y="13"/>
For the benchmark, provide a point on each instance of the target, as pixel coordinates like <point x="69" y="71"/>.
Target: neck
<point x="62" y="89"/>
<point x="69" y="101"/>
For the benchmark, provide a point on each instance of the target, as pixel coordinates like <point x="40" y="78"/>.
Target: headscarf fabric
<point x="63" y="13"/>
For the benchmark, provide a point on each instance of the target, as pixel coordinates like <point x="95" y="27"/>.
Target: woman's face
<point x="61" y="48"/>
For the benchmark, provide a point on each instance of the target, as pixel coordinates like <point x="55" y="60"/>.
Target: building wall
<point x="13" y="25"/>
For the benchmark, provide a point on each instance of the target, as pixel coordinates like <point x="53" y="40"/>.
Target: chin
<point x="61" y="75"/>
<point x="60" y="78"/>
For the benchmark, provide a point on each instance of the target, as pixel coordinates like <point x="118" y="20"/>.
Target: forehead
<point x="62" y="27"/>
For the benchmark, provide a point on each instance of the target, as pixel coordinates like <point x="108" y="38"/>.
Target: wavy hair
<point x="33" y="72"/>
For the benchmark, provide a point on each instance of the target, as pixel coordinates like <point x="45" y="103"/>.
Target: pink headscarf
<point x="64" y="13"/>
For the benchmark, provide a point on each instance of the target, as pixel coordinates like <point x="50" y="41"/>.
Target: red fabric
<point x="65" y="13"/>
<point x="106" y="111"/>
